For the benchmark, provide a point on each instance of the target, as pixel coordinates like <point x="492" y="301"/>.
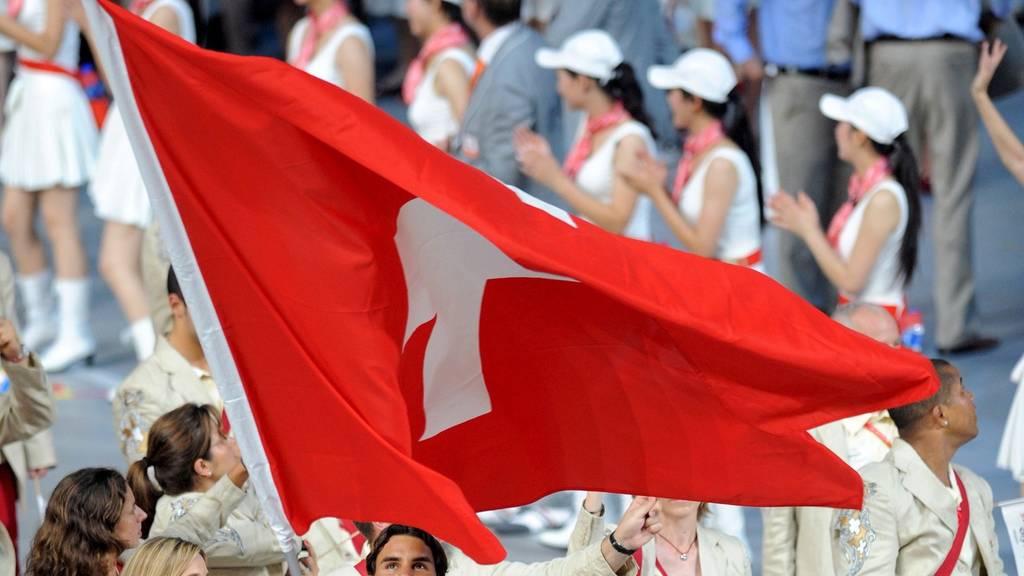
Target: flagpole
<point x="190" y="278"/>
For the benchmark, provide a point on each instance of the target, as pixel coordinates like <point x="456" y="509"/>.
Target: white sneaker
<point x="559" y="538"/>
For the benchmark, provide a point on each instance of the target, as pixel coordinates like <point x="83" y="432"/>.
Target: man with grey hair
<point x="797" y="541"/>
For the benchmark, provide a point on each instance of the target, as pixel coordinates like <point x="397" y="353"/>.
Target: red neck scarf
<point x="139" y="6"/>
<point x="859" y="186"/>
<point x="318" y="26"/>
<point x="696" y="144"/>
<point x="584" y="146"/>
<point x="451" y="36"/>
<point x="14" y="8"/>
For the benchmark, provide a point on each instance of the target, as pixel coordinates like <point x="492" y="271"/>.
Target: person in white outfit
<point x="120" y="197"/>
<point x="713" y="208"/>
<point x="869" y="251"/>
<point x="593" y="77"/>
<point x="49" y="148"/>
<point x="333" y="45"/>
<point x="437" y="81"/>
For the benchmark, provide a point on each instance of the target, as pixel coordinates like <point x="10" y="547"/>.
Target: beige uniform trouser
<point x="933" y="78"/>
<point x="806" y="159"/>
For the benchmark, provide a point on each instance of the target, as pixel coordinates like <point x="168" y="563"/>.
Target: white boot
<point x="40" y="317"/>
<point x="143" y="337"/>
<point x="75" y="342"/>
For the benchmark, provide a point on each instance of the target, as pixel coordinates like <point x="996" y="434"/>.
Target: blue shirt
<point x="793" y="32"/>
<point x="914" y="19"/>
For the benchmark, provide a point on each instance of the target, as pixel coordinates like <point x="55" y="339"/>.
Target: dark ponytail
<point x="175" y="441"/>
<point x="903" y="165"/>
<point x="454" y="15"/>
<point x="737" y="127"/>
<point x="623" y="87"/>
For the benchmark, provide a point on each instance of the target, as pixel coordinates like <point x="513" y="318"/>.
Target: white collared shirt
<point x="490" y="45"/>
<point x="969" y="551"/>
<point x="864" y="446"/>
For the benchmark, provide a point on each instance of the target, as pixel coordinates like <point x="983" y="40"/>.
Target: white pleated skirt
<point x="1011" y="449"/>
<point x="50" y="136"/>
<point x="117" y="190"/>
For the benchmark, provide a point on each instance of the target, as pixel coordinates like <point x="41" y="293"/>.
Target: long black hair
<point x="903" y="165"/>
<point x="733" y="117"/>
<point x="454" y="15"/>
<point x="623" y="87"/>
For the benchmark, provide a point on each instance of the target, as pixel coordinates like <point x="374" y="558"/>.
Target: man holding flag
<point x="364" y="300"/>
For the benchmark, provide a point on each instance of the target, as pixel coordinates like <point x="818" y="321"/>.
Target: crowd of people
<point x="823" y="121"/>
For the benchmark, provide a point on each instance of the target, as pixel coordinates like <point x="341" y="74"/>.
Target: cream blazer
<point x="720" y="554"/>
<point x="26" y="414"/>
<point x="158" y="385"/>
<point x="908" y="521"/>
<point x="228" y="523"/>
<point x="798" y="540"/>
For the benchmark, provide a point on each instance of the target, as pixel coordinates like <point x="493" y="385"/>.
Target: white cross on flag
<point x="401" y="338"/>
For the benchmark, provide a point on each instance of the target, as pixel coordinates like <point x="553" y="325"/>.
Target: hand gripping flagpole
<point x="204" y="316"/>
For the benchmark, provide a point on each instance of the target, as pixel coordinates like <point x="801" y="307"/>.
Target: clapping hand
<point x="534" y="155"/>
<point x="797" y="215"/>
<point x="991" y="55"/>
<point x="645" y="173"/>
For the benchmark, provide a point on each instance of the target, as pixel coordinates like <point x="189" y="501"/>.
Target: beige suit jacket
<point x="26" y="414"/>
<point x="798" y="540"/>
<point x="720" y="554"/>
<point x="161" y="383"/>
<point x="228" y="523"/>
<point x="909" y="520"/>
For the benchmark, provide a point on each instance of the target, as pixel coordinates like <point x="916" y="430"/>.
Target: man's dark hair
<point x="366" y="529"/>
<point x="907" y="417"/>
<point x="440" y="558"/>
<point x="501" y="12"/>
<point x="172" y="285"/>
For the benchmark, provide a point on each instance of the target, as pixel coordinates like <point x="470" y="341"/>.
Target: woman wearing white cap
<point x="436" y="86"/>
<point x="119" y="195"/>
<point x="333" y="45"/>
<point x="869" y="251"/>
<point x="714" y="205"/>
<point x="49" y="148"/>
<point x="593" y="77"/>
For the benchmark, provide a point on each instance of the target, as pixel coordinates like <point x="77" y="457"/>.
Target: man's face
<point x="960" y="411"/>
<point x="405" y="556"/>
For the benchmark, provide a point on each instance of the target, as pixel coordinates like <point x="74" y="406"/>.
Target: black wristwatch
<point x="619" y="547"/>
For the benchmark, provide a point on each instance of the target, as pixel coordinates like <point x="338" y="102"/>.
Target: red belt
<point x="750" y="260"/>
<point x="42" y="66"/>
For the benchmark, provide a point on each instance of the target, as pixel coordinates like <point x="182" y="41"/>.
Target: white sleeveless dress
<point x="884" y="286"/>
<point x="117" y="191"/>
<point x="597" y="176"/>
<point x="430" y="114"/>
<point x="49" y="134"/>
<point x="321" y="64"/>
<point x="741" y="232"/>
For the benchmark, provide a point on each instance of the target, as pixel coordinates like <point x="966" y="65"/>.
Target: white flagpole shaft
<point x="204" y="316"/>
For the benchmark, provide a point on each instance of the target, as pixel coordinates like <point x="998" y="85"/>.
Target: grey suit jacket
<point x="643" y="35"/>
<point x="513" y="91"/>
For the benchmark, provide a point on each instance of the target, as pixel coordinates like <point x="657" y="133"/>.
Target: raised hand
<point x="797" y="215"/>
<point x="991" y="55"/>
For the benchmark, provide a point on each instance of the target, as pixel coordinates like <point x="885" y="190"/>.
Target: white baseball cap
<point x="592" y="53"/>
<point x="699" y="71"/>
<point x="873" y="111"/>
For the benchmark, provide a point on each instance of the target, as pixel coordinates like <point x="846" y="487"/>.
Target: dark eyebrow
<point x="423" y="559"/>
